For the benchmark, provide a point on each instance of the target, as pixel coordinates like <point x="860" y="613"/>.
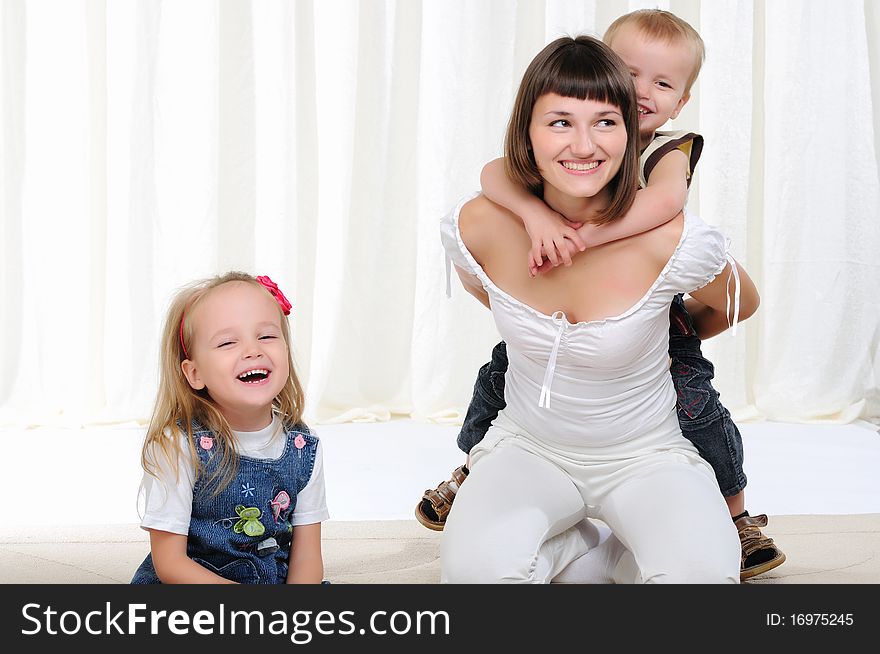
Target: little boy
<point x="664" y="54"/>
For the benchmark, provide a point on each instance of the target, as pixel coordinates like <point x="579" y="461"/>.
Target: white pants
<point x="523" y="515"/>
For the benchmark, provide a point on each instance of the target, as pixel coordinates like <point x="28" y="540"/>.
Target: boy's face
<point x="660" y="72"/>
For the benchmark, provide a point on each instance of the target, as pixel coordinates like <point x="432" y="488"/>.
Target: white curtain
<point x="147" y="143"/>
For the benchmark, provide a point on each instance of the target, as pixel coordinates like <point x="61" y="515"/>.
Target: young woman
<point x="590" y="423"/>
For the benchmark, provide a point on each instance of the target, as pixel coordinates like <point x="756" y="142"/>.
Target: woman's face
<point x="578" y="144"/>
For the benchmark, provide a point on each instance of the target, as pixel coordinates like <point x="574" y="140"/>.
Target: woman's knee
<point x="483" y="570"/>
<point x="495" y="532"/>
<point x="693" y="574"/>
<point x="484" y="554"/>
<point x="470" y="563"/>
<point x="700" y="544"/>
<point x="710" y="564"/>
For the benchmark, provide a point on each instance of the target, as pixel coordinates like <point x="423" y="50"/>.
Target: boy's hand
<point x="546" y="265"/>
<point x="552" y="237"/>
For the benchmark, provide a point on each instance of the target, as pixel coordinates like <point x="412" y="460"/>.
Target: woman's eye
<point x="560" y="123"/>
<point x="606" y="122"/>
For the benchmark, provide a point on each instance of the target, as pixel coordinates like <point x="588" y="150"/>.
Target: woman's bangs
<point x="579" y="76"/>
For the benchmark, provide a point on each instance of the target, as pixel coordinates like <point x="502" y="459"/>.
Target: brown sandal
<point x="434" y="506"/>
<point x="759" y="553"/>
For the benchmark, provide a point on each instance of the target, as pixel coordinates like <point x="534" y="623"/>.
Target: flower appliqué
<point x="249" y="521"/>
<point x="247" y="490"/>
<point x="281" y="502"/>
<point x="299" y="442"/>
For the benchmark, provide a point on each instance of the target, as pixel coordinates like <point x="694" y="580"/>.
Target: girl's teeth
<point x="260" y="374"/>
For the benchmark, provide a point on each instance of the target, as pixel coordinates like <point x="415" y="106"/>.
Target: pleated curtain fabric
<point x="149" y="143"/>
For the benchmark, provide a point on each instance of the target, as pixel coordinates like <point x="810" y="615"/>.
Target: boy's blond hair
<point x="663" y="26"/>
<point x="178" y="404"/>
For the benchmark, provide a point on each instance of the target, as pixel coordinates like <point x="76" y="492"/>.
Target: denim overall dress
<point x="244" y="533"/>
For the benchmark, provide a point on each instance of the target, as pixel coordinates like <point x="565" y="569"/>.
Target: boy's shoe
<point x="759" y="553"/>
<point x="434" y="506"/>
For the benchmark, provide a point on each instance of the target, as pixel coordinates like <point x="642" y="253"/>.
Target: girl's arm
<point x="709" y="312"/>
<point x="172" y="564"/>
<point x="168" y="504"/>
<point x="547" y="229"/>
<point x="306" y="562"/>
<point x="659" y="202"/>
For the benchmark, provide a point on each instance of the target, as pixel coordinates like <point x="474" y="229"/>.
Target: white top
<point x="608" y="379"/>
<point x="171" y="511"/>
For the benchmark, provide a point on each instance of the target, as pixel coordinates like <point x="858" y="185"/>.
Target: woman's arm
<point x="709" y="312"/>
<point x="172" y="564"/>
<point x="306" y="562"/>
<point x="473" y="286"/>
<point x="479" y="232"/>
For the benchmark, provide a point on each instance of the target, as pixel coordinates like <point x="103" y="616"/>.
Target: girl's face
<point x="578" y="145"/>
<point x="239" y="353"/>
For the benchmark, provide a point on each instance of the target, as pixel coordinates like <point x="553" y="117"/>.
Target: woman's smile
<point x="578" y="146"/>
<point x="580" y="167"/>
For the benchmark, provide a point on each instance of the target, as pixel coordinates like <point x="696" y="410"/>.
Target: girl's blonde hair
<point x="178" y="404"/>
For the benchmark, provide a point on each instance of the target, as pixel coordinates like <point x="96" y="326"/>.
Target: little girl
<point x="233" y="480"/>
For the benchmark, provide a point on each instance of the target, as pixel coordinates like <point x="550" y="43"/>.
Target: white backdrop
<point x="147" y="143"/>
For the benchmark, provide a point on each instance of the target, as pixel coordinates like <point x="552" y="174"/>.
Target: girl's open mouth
<point x="255" y="376"/>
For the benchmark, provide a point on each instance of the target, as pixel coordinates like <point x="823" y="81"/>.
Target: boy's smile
<point x="660" y="72"/>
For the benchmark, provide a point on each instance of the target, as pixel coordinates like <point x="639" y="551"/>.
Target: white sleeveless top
<point x="608" y="379"/>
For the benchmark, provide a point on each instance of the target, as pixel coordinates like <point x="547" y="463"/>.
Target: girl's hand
<point x="554" y="238"/>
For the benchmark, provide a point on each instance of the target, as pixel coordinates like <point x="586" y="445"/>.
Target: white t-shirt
<point x="168" y="502"/>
